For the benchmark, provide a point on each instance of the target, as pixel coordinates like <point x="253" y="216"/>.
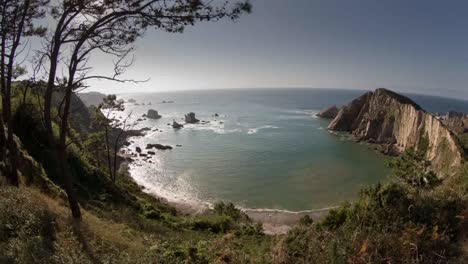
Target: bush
<point x="228" y="209"/>
<point x="27" y="232"/>
<point x="388" y="223"/>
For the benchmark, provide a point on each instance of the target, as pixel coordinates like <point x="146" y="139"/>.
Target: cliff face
<point x="387" y="118"/>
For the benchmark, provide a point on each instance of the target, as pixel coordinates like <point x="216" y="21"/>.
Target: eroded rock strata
<point x="395" y="121"/>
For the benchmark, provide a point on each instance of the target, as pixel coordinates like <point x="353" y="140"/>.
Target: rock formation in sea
<point x="329" y="112"/>
<point x="153" y="114"/>
<point x="177" y="125"/>
<point x="158" y="146"/>
<point x="395" y="121"/>
<point x="190" y="118"/>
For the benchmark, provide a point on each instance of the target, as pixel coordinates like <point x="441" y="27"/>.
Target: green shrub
<point x="27" y="232"/>
<point x="306" y="220"/>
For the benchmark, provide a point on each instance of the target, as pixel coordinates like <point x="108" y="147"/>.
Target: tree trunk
<point x="68" y="182"/>
<point x="62" y="151"/>
<point x="116" y="146"/>
<point x="109" y="164"/>
<point x="2" y="140"/>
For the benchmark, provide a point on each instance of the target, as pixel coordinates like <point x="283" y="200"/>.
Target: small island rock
<point x="177" y="125"/>
<point x="153" y="114"/>
<point x="190" y="118"/>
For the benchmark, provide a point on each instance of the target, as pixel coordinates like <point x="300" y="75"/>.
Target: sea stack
<point x="329" y="112"/>
<point x="153" y="114"/>
<point x="396" y="122"/>
<point x="176" y="125"/>
<point x="190" y="118"/>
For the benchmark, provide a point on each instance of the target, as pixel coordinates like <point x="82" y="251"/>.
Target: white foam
<point x="214" y="126"/>
<point x="255" y="130"/>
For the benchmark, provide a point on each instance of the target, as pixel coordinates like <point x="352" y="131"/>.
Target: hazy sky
<point x="414" y="46"/>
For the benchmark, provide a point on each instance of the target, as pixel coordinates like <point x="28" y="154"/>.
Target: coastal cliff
<point x="395" y="121"/>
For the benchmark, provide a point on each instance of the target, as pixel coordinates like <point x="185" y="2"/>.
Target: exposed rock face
<point x="395" y="121"/>
<point x="190" y="118"/>
<point x="153" y="114"/>
<point x="329" y="112"/>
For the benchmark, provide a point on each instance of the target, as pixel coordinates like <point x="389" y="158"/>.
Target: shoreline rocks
<point x="158" y="146"/>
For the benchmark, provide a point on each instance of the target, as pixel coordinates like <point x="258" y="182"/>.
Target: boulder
<point x="131" y="100"/>
<point x="153" y="114"/>
<point x="138" y="149"/>
<point x="216" y="115"/>
<point x="190" y="118"/>
<point x="151" y="153"/>
<point x="329" y="112"/>
<point x="126" y="143"/>
<point x="177" y="125"/>
<point x="157" y="146"/>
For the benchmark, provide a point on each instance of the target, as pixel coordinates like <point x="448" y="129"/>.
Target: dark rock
<point x="190" y="118"/>
<point x="143" y="155"/>
<point x="151" y="153"/>
<point x="216" y="115"/>
<point x="177" y="125"/>
<point x="139" y="119"/>
<point x="126" y="143"/>
<point x="153" y="114"/>
<point x="329" y="112"/>
<point x="158" y="146"/>
<point x="131" y="100"/>
<point x="138" y="149"/>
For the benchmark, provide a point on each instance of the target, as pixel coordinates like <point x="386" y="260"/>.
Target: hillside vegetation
<point x="412" y="219"/>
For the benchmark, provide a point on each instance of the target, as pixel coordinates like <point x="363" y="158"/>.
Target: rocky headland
<point x="329" y="112"/>
<point x="397" y="123"/>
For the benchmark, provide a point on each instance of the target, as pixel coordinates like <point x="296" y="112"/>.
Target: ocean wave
<point x="214" y="126"/>
<point x="255" y="130"/>
<point x="268" y="210"/>
<point x="302" y="111"/>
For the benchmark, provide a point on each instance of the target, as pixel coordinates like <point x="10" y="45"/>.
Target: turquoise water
<point x="265" y="150"/>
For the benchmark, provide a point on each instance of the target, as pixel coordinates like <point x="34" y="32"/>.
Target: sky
<point x="417" y="46"/>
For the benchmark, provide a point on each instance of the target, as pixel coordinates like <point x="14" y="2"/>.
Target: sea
<point x="261" y="149"/>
